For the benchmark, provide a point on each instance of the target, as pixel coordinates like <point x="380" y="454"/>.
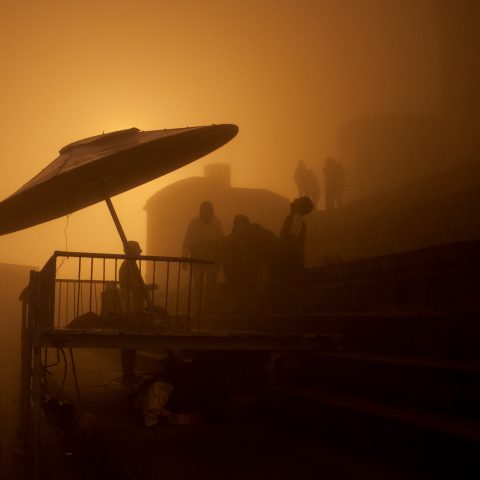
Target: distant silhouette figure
<point x="293" y="233"/>
<point x="203" y="241"/>
<point x="334" y="183"/>
<point x="307" y="182"/>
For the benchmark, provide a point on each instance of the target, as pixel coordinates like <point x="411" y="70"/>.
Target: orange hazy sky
<point x="289" y="73"/>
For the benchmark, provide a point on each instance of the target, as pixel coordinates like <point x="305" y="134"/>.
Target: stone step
<point x="441" y="290"/>
<point x="437" y="384"/>
<point x="454" y="335"/>
<point x="438" y="278"/>
<point x="447" y="257"/>
<point x="413" y="434"/>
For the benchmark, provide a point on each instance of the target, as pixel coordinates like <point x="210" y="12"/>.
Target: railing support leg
<point x="36" y="406"/>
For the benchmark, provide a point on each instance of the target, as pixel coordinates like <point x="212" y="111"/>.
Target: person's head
<point x="301" y="206"/>
<point x="132" y="248"/>
<point x="206" y="211"/>
<point x="240" y="224"/>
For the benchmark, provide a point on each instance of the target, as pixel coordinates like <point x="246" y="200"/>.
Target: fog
<point x="290" y="74"/>
<point x="388" y="88"/>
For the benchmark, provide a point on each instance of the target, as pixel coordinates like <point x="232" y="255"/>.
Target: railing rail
<point x="60" y="253"/>
<point x="101" y="286"/>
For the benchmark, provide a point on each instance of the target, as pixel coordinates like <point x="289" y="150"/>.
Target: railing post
<point x="79" y="290"/>
<point x="189" y="309"/>
<point x="166" y="287"/>
<point x="28" y="308"/>
<point x="45" y="292"/>
<point x="36" y="405"/>
<point x="52" y="285"/>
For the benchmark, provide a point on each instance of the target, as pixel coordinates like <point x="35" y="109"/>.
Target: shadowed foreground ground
<point x="242" y="447"/>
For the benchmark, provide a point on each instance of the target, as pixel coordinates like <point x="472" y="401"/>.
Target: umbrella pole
<point x="114" y="215"/>
<point x="123" y="237"/>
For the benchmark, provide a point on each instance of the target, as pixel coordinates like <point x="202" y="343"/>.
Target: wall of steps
<point x="438" y="210"/>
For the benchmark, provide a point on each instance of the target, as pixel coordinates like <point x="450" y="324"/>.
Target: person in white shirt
<point x="203" y="241"/>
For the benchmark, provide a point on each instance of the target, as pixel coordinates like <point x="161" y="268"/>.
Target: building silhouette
<point x="170" y="210"/>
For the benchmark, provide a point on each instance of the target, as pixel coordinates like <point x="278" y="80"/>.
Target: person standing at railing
<point x="203" y="240"/>
<point x="133" y="293"/>
<point x="131" y="284"/>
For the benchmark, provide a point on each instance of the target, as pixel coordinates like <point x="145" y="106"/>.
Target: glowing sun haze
<point x="288" y="73"/>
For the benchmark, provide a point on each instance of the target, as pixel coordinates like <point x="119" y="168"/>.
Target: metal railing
<point x="81" y="290"/>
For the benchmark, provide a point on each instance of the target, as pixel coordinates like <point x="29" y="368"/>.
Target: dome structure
<point x="170" y="210"/>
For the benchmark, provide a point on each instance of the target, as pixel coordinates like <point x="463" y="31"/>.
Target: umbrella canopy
<point x="97" y="168"/>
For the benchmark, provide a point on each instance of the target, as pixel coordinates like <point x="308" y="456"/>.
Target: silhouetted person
<point x="247" y="257"/>
<point x="240" y="263"/>
<point x="134" y="295"/>
<point x="307" y="182"/>
<point x="203" y="240"/>
<point x="293" y="234"/>
<point x="131" y="284"/>
<point x="334" y="183"/>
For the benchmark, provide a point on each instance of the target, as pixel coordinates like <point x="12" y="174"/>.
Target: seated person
<point x="112" y="302"/>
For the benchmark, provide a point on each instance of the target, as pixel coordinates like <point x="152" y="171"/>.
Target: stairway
<point x="405" y="380"/>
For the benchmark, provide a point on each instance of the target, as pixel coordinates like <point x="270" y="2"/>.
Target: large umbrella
<point x="94" y="169"/>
